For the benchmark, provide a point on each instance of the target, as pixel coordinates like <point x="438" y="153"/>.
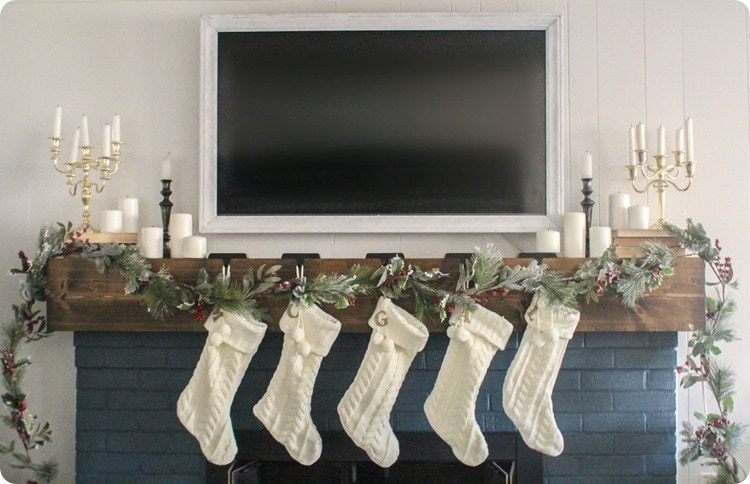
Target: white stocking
<point x="284" y="410"/>
<point x="450" y="408"/>
<point x="365" y="410"/>
<point x="203" y="407"/>
<point x="527" y="391"/>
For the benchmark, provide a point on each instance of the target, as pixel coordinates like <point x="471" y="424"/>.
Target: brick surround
<point x="614" y="401"/>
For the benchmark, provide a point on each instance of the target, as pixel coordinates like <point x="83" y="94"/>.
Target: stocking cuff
<point x="240" y="332"/>
<point x="488" y="325"/>
<point x="397" y="324"/>
<point x="320" y="328"/>
<point x="542" y="316"/>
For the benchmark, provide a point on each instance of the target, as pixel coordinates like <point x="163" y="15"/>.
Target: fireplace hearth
<point x="424" y="458"/>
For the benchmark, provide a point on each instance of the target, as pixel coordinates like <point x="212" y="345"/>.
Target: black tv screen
<point x="381" y="122"/>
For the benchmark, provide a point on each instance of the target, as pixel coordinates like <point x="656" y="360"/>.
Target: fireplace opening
<point x="424" y="458"/>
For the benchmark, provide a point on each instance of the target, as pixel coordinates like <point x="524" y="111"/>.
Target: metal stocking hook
<point x="289" y="311"/>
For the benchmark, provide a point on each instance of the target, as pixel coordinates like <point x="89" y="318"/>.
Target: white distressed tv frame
<point x="211" y="222"/>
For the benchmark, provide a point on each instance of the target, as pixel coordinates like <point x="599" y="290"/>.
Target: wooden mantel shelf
<point x="82" y="299"/>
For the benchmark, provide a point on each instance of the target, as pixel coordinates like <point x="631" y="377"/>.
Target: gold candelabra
<point x="661" y="176"/>
<point x="105" y="165"/>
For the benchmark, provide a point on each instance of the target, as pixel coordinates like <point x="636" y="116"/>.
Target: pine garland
<point x="29" y="325"/>
<point x="396" y="281"/>
<point x="341" y="290"/>
<point x="716" y="439"/>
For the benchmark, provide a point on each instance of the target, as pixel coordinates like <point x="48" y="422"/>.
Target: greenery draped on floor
<point x="481" y="277"/>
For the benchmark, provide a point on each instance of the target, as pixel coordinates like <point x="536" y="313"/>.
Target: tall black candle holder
<point x="166" y="212"/>
<point x="588" y="208"/>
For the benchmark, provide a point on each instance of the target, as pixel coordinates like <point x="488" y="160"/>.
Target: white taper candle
<point x="85" y="131"/>
<point x="57" y="124"/>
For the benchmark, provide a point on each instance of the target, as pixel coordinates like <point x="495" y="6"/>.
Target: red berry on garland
<point x="198" y="309"/>
<point x="351" y="301"/>
<point x="22" y="406"/>
<point x="450" y="307"/>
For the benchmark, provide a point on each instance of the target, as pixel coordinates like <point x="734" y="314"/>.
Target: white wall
<point x="629" y="60"/>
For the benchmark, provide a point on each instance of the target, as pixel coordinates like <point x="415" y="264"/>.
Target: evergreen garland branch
<point x="28" y="325"/>
<point x="341" y="290"/>
<point x="396" y="280"/>
<point x="716" y="439"/>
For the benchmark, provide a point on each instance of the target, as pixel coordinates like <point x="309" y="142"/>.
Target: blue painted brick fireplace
<point x="614" y="402"/>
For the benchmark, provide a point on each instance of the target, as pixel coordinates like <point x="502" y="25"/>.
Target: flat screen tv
<point x="380" y="123"/>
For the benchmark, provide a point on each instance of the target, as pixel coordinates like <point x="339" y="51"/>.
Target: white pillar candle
<point x="680" y="139"/>
<point x="151" y="242"/>
<point x="632" y="145"/>
<point x="641" y="136"/>
<point x="129" y="207"/>
<point x="689" y="153"/>
<point x="661" y="141"/>
<point x="194" y="247"/>
<point x="600" y="238"/>
<point x="180" y="226"/>
<point x="57" y="124"/>
<point x="111" y="221"/>
<point x="85" y="131"/>
<point x="107" y="141"/>
<point x="166" y="167"/>
<point x="574" y="234"/>
<point x="638" y="217"/>
<point x="548" y="241"/>
<point x="588" y="166"/>
<point x="74" y="149"/>
<point x="116" y="128"/>
<point x="618" y="210"/>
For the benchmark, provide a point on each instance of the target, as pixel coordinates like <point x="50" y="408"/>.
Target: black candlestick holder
<point x="588" y="208"/>
<point x="166" y="212"/>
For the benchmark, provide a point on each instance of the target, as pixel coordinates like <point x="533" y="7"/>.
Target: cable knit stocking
<point x="527" y="391"/>
<point x="309" y="334"/>
<point x="474" y="340"/>
<point x="203" y="407"/>
<point x="365" y="410"/>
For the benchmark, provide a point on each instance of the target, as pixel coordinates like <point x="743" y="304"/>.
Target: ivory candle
<point x="74" y="149"/>
<point x="85" y="131"/>
<point x="632" y="144"/>
<point x="166" y="167"/>
<point x="574" y="234"/>
<point x="600" y="238"/>
<point x="661" y="141"/>
<point x="57" y="124"/>
<point x="638" y="217"/>
<point x="107" y="141"/>
<point x="116" y="128"/>
<point x="548" y="241"/>
<point x="689" y="153"/>
<point x="194" y="247"/>
<point x="680" y="139"/>
<point x="180" y="226"/>
<point x="129" y="207"/>
<point x="151" y="242"/>
<point x="641" y="136"/>
<point x="588" y="166"/>
<point x="111" y="221"/>
<point x="618" y="210"/>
